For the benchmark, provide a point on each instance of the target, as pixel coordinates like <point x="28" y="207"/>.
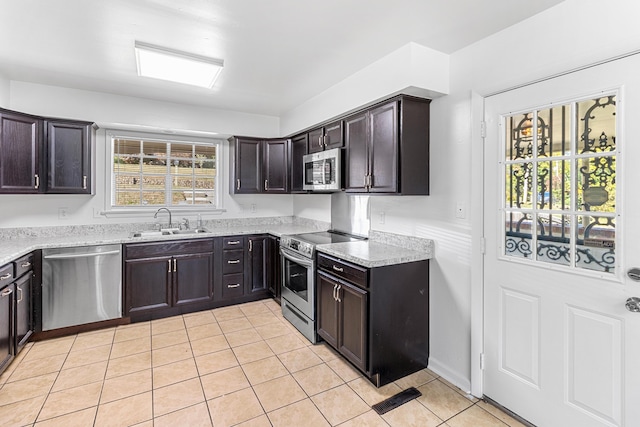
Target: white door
<point x="562" y="228"/>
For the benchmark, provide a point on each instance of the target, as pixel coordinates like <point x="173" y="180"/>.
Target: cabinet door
<point x="20" y="153"/>
<point x="353" y="315"/>
<point x="256" y="271"/>
<point x="298" y="150"/>
<point x="276" y="170"/>
<point x="357" y="152"/>
<point x="333" y="136"/>
<point x="327" y="309"/>
<point x="383" y="156"/>
<point x="248" y="164"/>
<point x="315" y="140"/>
<point x="24" y="310"/>
<point x="69" y="157"/>
<point x="148" y="284"/>
<point x="274" y="267"/>
<point x="193" y="278"/>
<point x="6" y="325"/>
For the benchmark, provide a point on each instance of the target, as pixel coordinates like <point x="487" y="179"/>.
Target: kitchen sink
<point x="190" y="231"/>
<point x="171" y="232"/>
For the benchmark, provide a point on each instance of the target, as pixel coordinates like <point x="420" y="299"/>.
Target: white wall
<point x="412" y="69"/>
<point x="143" y="114"/>
<point x="313" y="206"/>
<point x="4" y="92"/>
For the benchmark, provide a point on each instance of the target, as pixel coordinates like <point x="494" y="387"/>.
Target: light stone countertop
<point x="374" y="252"/>
<point x="15" y="248"/>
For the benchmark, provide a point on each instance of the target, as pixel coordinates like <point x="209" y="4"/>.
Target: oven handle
<point x="305" y="262"/>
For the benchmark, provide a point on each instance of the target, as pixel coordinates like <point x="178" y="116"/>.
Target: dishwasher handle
<point x="81" y="255"/>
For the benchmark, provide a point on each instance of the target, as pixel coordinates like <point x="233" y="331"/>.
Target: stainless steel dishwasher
<point x="81" y="285"/>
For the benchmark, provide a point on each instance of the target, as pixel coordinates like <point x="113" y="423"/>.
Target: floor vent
<point x="396" y="400"/>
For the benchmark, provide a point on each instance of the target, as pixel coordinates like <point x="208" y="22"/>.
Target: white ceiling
<point x="277" y="53"/>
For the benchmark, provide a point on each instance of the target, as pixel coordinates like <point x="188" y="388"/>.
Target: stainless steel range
<point x="298" y="277"/>
<point x="350" y="222"/>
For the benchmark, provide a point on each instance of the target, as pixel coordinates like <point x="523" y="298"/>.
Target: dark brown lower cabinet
<point x="343" y="314"/>
<point x="376" y="318"/>
<point x="274" y="268"/>
<point x="24" y="310"/>
<point x="6" y="325"/>
<point x="161" y="275"/>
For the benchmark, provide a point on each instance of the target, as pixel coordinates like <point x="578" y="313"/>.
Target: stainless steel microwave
<point x="322" y="171"/>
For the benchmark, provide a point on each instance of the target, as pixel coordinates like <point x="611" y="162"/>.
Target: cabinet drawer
<point x="346" y="271"/>
<point x="6" y="274"/>
<point x="233" y="242"/>
<point x="23" y="264"/>
<point x="232" y="286"/>
<point x="233" y="261"/>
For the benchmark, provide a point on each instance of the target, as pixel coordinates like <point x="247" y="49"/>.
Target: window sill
<point x="144" y="212"/>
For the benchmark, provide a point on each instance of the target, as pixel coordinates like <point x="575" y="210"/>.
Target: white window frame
<point x="113" y="210"/>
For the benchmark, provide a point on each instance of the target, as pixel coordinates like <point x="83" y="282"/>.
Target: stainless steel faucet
<point x="168" y="211"/>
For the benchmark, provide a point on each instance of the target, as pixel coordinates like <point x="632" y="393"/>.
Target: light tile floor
<point x="243" y="365"/>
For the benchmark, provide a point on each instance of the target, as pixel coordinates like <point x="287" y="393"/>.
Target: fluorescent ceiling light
<point x="182" y="67"/>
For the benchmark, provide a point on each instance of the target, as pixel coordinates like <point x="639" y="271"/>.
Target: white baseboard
<point x="453" y="377"/>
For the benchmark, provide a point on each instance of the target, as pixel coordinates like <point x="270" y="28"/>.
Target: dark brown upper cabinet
<point x="276" y="166"/>
<point x="326" y="137"/>
<point x="41" y="155"/>
<point x="387" y="148"/>
<point x="260" y="166"/>
<point x="21" y="153"/>
<point x="69" y="157"/>
<point x="298" y="150"/>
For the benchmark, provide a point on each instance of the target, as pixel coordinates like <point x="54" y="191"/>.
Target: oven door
<point x="297" y="282"/>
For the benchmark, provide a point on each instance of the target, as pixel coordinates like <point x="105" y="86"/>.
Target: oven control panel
<point x="303" y="248"/>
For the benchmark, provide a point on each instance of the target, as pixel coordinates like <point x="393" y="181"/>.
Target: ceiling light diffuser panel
<point x="176" y="66"/>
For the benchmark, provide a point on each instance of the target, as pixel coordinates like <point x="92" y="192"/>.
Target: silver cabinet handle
<point x="175" y="268"/>
<point x="233" y="261"/>
<point x="25" y="264"/>
<point x="335" y="287"/>
<point x="233" y="242"/>
<point x="338" y="269"/>
<point x="169" y="261"/>
<point x="338" y="293"/>
<point x="238" y="184"/>
<point x="6" y="292"/>
<point x="320" y="141"/>
<point x="84" y="182"/>
<point x="250" y="245"/>
<point x="266" y="185"/>
<point x="19" y="299"/>
<point x="633" y="304"/>
<point x="237" y="285"/>
<point x="37" y="181"/>
<point x="6" y="276"/>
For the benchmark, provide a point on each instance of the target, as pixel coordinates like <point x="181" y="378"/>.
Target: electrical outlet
<point x="381" y="217"/>
<point x="254" y="208"/>
<point x="461" y="210"/>
<point x="63" y="213"/>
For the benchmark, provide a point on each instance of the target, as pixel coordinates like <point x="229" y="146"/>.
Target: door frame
<point x="477" y="221"/>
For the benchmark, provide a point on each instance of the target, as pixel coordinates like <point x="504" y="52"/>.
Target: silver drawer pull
<point x="233" y="261"/>
<point x="338" y="269"/>
<point x="6" y="293"/>
<point x="233" y="242"/>
<point x="25" y="264"/>
<point x="6" y="276"/>
<point x="237" y="285"/>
